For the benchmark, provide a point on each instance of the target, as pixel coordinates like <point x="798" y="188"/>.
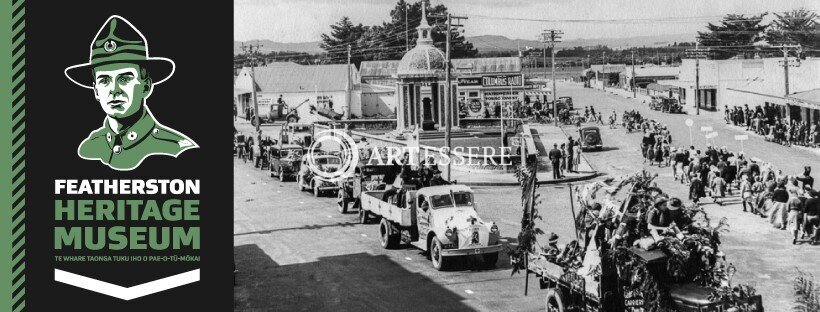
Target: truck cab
<point x="297" y="133"/>
<point x="439" y="219"/>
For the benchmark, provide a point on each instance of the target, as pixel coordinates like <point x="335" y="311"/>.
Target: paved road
<point x="764" y="257"/>
<point x="296" y="252"/>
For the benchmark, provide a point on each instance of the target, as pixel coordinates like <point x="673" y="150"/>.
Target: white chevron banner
<point x="126" y="293"/>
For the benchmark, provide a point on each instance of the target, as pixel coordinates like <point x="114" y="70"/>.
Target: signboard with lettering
<point x="502" y="81"/>
<point x="263" y="99"/>
<point x="633" y="300"/>
<point x="475" y="106"/>
<point x="742" y="137"/>
<point x="706" y="129"/>
<point x="712" y="135"/>
<point x="469" y="81"/>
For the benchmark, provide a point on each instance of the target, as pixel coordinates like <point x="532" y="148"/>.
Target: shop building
<point x="646" y="74"/>
<point x="753" y="82"/>
<point x="300" y="86"/>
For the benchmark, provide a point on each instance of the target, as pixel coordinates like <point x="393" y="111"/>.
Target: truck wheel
<point x="387" y="238"/>
<point x="554" y="301"/>
<point x="439" y="261"/>
<point x="490" y="259"/>
<point x="299" y="182"/>
<point x="316" y="191"/>
<point x="342" y="201"/>
<point x="364" y="215"/>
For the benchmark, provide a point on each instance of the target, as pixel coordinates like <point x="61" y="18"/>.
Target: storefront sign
<point x="469" y="81"/>
<point x="475" y="106"/>
<point x="501" y="96"/>
<point x="263" y="100"/>
<point x="502" y="81"/>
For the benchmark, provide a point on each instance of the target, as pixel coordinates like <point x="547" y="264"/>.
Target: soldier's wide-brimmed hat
<point x="118" y="41"/>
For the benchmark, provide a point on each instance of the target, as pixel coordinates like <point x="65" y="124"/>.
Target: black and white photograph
<point x="559" y="155"/>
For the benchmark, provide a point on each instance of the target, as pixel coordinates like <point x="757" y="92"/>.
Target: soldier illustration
<point x="122" y="76"/>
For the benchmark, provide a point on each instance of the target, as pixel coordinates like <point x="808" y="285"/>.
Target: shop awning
<point x="537" y="93"/>
<point x="808" y="99"/>
<point x="237" y="91"/>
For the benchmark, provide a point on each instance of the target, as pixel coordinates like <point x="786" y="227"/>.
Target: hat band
<point x="119" y="57"/>
<point x="127" y="47"/>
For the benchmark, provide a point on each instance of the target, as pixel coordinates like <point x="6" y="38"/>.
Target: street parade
<point x="550" y="176"/>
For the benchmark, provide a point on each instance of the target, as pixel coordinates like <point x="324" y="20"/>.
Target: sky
<point x="306" y="20"/>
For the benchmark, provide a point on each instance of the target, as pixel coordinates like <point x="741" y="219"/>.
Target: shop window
<point x="323" y="100"/>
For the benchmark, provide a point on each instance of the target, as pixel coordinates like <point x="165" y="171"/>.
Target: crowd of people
<point x="767" y="121"/>
<point x="788" y="202"/>
<point x="536" y="111"/>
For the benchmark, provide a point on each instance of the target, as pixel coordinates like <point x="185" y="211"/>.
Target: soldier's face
<point x="119" y="89"/>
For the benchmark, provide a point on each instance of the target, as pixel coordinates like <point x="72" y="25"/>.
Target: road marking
<point x="408" y="259"/>
<point x="470" y="292"/>
<point x="364" y="235"/>
<point x="330" y="216"/>
<point x="301" y="202"/>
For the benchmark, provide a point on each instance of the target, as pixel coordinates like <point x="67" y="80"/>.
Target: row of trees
<point x="391" y="40"/>
<point x="741" y="35"/>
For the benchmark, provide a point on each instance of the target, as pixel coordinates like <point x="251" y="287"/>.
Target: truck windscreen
<point x="445" y="201"/>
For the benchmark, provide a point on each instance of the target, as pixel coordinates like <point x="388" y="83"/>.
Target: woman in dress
<point x="659" y="154"/>
<point x="780" y="198"/>
<point x="650" y="154"/>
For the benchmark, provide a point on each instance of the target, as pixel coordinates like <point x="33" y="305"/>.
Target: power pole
<point x="251" y="56"/>
<point x="786" y="49"/>
<point x="553" y="36"/>
<point x="348" y="86"/>
<point x="634" y="90"/>
<point x="697" y="53"/>
<point x="603" y="68"/>
<point x="448" y="100"/>
<point x="406" y="28"/>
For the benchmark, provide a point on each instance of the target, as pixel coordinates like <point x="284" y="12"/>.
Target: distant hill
<point x="500" y="43"/>
<point x="268" y="46"/>
<point x="488" y="43"/>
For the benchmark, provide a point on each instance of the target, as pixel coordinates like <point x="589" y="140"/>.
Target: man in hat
<point x="555" y="158"/>
<point x="122" y="76"/>
<point x="660" y="219"/>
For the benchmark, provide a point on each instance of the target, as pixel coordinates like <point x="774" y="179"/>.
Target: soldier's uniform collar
<point x="128" y="137"/>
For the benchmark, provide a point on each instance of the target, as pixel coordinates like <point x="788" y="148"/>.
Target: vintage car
<point x="297" y="133"/>
<point x="567" y="101"/>
<point x="590" y="138"/>
<point x="284" y="160"/>
<point x="367" y="177"/>
<point x="439" y="219"/>
<point x="238" y="144"/>
<point x="665" y="104"/>
<point x="308" y="180"/>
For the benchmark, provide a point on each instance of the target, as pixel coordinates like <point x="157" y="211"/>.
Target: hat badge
<point x="110" y="46"/>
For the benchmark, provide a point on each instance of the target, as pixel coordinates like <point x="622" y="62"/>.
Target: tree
<point x="795" y="27"/>
<point x="396" y="31"/>
<point x="342" y="34"/>
<point x="735" y="34"/>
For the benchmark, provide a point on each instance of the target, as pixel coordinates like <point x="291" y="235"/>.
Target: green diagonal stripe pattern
<point x="12" y="157"/>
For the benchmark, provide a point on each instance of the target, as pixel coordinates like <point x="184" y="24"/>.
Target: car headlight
<point x="494" y="230"/>
<point x="449" y="233"/>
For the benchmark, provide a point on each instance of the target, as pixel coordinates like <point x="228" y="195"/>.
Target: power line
<point x="692" y="19"/>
